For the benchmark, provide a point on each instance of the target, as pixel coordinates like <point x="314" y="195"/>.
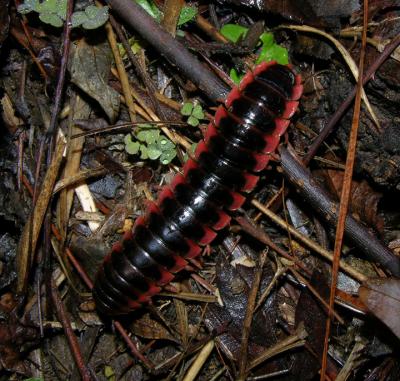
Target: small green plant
<point x="193" y="112"/>
<point x="268" y="49"/>
<point x="148" y="141"/>
<point x="109" y="373"/>
<point x="54" y="12"/>
<point x="188" y="12"/>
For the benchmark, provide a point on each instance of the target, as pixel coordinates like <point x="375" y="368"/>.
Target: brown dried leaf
<point x="364" y="200"/>
<point x="150" y="329"/>
<point x="382" y="298"/>
<point x="30" y="234"/>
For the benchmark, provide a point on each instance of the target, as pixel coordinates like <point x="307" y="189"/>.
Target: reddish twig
<point x="72" y="340"/>
<point x="345" y="196"/>
<point x="63" y="68"/>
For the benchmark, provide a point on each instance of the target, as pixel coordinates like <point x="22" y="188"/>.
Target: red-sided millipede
<point x="190" y="211"/>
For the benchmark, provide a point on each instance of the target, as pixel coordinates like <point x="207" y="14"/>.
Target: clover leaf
<point x="147" y="133"/>
<point x="54" y="12"/>
<point x="51" y="18"/>
<point x="198" y="112"/>
<point x="150" y="144"/>
<point x="187" y="109"/>
<point x="194" y="113"/>
<point x="28" y="6"/>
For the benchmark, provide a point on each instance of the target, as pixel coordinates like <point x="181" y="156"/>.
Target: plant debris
<point x="101" y="106"/>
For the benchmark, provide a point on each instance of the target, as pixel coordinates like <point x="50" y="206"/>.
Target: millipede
<point x="197" y="204"/>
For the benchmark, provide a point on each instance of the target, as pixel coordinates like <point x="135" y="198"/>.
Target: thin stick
<point x="69" y="333"/>
<point x="123" y="77"/>
<point x="317" y="197"/>
<point x="308" y="242"/>
<point x="199" y="362"/>
<point x="345" y="196"/>
<point x="248" y="319"/>
<point x="329" y="127"/>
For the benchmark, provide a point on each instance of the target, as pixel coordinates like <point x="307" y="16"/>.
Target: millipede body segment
<point x="196" y="205"/>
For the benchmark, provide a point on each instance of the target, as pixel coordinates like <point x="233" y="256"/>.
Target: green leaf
<point x="109" y="373"/>
<point x="52" y="19"/>
<point x="153" y="152"/>
<point x="143" y="151"/>
<point x="33" y="379"/>
<point x="96" y="17"/>
<point x="198" y="112"/>
<point x="165" y="144"/>
<point x="132" y="148"/>
<point x="28" y="6"/>
<point x="187" y="14"/>
<point x="235" y="76"/>
<point x="147" y="133"/>
<point x="48" y="6"/>
<point x="267" y="39"/>
<point x="193" y="121"/>
<point x="62" y="9"/>
<point x="274" y="53"/>
<point x="167" y="156"/>
<point x="78" y="18"/>
<point x="187" y="109"/>
<point x="233" y="32"/>
<point x="150" y="8"/>
<point x="128" y="139"/>
<point x="271" y="51"/>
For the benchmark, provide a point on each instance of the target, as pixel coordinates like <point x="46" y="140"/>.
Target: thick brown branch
<point x="134" y="15"/>
<point x="323" y="204"/>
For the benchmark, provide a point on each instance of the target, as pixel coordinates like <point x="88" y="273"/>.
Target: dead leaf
<point x="382" y="298"/>
<point x="150" y="329"/>
<point x="89" y="68"/>
<point x="364" y="200"/>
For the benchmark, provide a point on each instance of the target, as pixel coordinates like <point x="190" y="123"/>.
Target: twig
<point x="278" y="273"/>
<point x="325" y="206"/>
<point x="63" y="69"/>
<point x="329" y="127"/>
<point x="262" y="236"/>
<point x="308" y="242"/>
<point x="123" y="77"/>
<point x="199" y="362"/>
<point x="294" y="341"/>
<point x="346" y="56"/>
<point x="248" y="318"/>
<point x="33" y="226"/>
<point x="345" y="195"/>
<point x="173" y="51"/>
<point x="151" y="88"/>
<point x="72" y="340"/>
